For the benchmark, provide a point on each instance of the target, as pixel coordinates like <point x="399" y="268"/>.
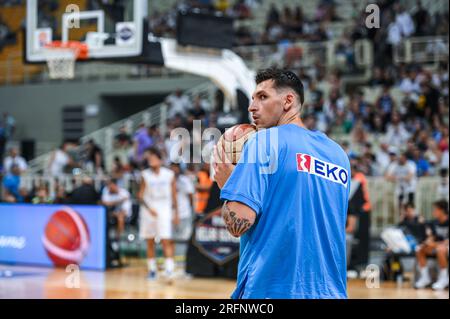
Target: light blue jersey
<point x="297" y="181"/>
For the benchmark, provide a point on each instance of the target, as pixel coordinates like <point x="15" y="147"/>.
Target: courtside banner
<point x="53" y="235"/>
<point x="213" y="239"/>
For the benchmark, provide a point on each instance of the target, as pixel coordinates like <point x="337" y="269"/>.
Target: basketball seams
<point x="61" y="227"/>
<point x="233" y="140"/>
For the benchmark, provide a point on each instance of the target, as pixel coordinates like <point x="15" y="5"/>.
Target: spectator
<point x="273" y="16"/>
<point x="41" y="196"/>
<point x="410" y="82"/>
<point x="94" y="161"/>
<point x="118" y="203"/>
<point x="118" y="171"/>
<point x="178" y="104"/>
<point x="383" y="159"/>
<point x="412" y="224"/>
<point x="380" y="77"/>
<point x="7" y="197"/>
<point x="396" y="134"/>
<point x="404" y="21"/>
<point x="428" y="100"/>
<point x="222" y="5"/>
<point x="14" y="159"/>
<point x="158" y="139"/>
<point x="421" y="20"/>
<point x="11" y="185"/>
<point x="436" y="243"/>
<point x="122" y="139"/>
<point x="7" y="129"/>
<point x="443" y="187"/>
<point x="361" y="209"/>
<point x="385" y="103"/>
<point x="202" y="189"/>
<point x="2" y="141"/>
<point x="354" y="208"/>
<point x="394" y="33"/>
<point x="61" y="196"/>
<point x="196" y="113"/>
<point x="4" y="33"/>
<point x="423" y="166"/>
<point x="9" y="124"/>
<point x="59" y="159"/>
<point x="413" y="227"/>
<point x="85" y="194"/>
<point x="185" y="200"/>
<point x="142" y="141"/>
<point x="403" y="173"/>
<point x="334" y="108"/>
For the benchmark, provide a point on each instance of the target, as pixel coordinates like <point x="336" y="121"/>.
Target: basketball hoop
<point x="61" y="58"/>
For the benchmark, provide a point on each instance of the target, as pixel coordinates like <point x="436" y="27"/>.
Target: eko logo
<point x="309" y="164"/>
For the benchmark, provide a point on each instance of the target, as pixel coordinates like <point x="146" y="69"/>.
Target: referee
<point x="287" y="199"/>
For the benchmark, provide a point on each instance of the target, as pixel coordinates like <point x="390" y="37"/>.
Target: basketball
<point x="66" y="237"/>
<point x="233" y="140"/>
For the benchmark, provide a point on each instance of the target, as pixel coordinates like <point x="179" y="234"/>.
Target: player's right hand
<point x="153" y="212"/>
<point x="222" y="169"/>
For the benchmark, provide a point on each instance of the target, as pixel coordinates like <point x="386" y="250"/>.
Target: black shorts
<point x="407" y="198"/>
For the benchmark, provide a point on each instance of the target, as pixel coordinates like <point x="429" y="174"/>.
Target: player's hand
<point x="430" y="242"/>
<point x="176" y="220"/>
<point x="222" y="167"/>
<point x="153" y="212"/>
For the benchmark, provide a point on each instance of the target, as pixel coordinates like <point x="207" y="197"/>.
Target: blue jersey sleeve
<point x="249" y="181"/>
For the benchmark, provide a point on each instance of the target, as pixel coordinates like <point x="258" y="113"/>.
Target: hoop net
<point x="61" y="58"/>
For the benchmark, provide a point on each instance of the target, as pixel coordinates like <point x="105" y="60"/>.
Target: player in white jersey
<point x="159" y="210"/>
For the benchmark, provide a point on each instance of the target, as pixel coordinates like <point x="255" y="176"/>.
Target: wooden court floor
<point x="19" y="282"/>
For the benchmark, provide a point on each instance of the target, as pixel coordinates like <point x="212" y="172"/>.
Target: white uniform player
<point x="157" y="196"/>
<point x="185" y="199"/>
<point x="159" y="210"/>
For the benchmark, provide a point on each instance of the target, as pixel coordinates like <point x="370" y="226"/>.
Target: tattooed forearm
<point x="235" y="225"/>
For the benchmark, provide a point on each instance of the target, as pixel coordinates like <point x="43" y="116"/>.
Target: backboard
<point x="111" y="29"/>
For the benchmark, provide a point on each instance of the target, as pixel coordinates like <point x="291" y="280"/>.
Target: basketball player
<point x="157" y="195"/>
<point x="118" y="203"/>
<point x="287" y="197"/>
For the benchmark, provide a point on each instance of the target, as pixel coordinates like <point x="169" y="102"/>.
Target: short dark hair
<point x="154" y="151"/>
<point x="113" y="181"/>
<point x="282" y="79"/>
<point x="410" y="204"/>
<point x="442" y="205"/>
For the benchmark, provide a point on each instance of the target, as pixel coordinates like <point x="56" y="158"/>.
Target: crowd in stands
<point x="287" y="24"/>
<point x="383" y="138"/>
<point x="7" y="36"/>
<point x="10" y="3"/>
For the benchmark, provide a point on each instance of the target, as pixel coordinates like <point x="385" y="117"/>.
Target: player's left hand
<point x="222" y="168"/>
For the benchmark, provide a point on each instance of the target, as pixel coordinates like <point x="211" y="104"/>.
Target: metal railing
<point x="155" y="115"/>
<point x="261" y="56"/>
<point x="385" y="206"/>
<point x="427" y="50"/>
<point x="382" y="195"/>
